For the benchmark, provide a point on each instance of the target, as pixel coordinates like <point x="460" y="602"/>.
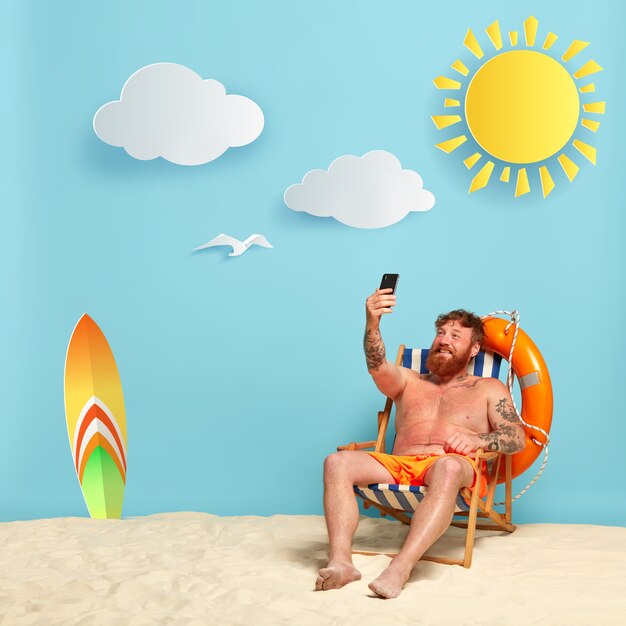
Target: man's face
<point x="451" y="350"/>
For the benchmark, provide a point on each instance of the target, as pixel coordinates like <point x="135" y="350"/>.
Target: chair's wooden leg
<point x="473" y="514"/>
<point x="492" y="483"/>
<point x="498" y="518"/>
<point x="433" y="559"/>
<point x="508" y="489"/>
<point x="471" y="532"/>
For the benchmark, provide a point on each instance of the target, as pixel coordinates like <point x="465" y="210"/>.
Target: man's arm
<point x="507" y="435"/>
<point x="387" y="376"/>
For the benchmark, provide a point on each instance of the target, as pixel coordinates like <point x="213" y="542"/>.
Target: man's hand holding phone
<point x="382" y="300"/>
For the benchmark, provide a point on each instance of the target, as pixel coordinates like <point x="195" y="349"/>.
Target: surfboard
<point x="96" y="419"/>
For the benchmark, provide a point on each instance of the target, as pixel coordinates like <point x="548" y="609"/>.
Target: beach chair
<point x="527" y="364"/>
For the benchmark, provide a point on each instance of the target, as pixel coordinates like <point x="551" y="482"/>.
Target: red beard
<point x="448" y="365"/>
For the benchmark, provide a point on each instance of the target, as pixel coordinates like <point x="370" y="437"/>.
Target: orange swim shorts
<point x="411" y="470"/>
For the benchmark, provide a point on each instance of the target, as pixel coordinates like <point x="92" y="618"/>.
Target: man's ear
<point x="475" y="350"/>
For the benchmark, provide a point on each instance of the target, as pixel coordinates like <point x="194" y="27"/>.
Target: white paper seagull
<point x="239" y="247"/>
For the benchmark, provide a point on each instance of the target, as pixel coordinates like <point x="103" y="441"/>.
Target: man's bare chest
<point x="428" y="402"/>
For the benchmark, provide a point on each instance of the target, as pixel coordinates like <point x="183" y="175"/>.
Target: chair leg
<point x="499" y="519"/>
<point x="471" y="525"/>
<point x="508" y="489"/>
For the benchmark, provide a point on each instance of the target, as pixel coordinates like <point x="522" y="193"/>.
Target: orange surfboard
<point x="96" y="419"/>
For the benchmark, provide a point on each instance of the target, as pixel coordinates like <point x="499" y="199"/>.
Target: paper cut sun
<point x="522" y="107"/>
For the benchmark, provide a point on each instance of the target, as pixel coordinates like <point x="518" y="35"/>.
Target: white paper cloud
<point x="167" y="110"/>
<point x="372" y="191"/>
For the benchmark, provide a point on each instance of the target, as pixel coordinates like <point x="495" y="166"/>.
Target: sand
<point x="196" y="568"/>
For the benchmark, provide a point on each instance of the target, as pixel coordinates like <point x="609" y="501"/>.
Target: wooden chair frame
<point x="479" y="507"/>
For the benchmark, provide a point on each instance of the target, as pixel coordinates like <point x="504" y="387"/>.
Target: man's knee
<point x="338" y="463"/>
<point x="450" y="470"/>
<point x="335" y="461"/>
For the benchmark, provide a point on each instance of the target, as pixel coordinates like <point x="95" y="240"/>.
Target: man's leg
<point x="343" y="470"/>
<point x="433" y="516"/>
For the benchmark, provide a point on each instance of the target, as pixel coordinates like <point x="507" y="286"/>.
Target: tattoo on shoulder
<point x="505" y="409"/>
<point x="464" y="383"/>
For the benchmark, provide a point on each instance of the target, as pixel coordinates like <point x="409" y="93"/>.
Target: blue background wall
<point x="249" y="371"/>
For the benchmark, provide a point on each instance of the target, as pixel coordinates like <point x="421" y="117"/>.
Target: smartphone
<point x="389" y="281"/>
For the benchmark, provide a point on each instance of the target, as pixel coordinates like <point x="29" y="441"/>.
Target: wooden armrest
<point x="357" y="445"/>
<point x="487" y="456"/>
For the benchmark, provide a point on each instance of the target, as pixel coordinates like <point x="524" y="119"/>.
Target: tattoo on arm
<point x="506" y="410"/>
<point x="499" y="442"/>
<point x="506" y="438"/>
<point x="374" y="349"/>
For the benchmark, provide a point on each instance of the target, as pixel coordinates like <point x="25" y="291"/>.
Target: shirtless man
<point x="445" y="416"/>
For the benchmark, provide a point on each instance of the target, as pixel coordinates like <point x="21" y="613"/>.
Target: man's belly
<point x="427" y="437"/>
<point x="408" y="450"/>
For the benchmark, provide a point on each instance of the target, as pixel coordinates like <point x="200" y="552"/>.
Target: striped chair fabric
<point x="485" y="364"/>
<point x="406" y="497"/>
<point x="400" y="497"/>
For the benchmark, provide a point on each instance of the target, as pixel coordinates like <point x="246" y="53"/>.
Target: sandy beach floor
<point x="196" y="568"/>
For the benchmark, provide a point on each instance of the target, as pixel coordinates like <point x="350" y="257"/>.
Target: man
<point x="442" y="418"/>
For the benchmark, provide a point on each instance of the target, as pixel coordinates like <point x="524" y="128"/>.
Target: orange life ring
<point x="536" y="388"/>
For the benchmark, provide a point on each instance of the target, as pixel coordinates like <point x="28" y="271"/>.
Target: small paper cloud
<point x="372" y="191"/>
<point x="167" y="110"/>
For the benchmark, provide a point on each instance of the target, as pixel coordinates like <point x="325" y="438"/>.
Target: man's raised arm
<point x="387" y="376"/>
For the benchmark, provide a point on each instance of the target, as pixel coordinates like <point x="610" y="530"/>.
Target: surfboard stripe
<point x="96" y="410"/>
<point x="94" y="442"/>
<point x="97" y="427"/>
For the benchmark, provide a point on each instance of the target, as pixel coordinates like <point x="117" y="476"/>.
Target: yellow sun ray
<point x="443" y="82"/>
<point x="494" y="34"/>
<point x="591" y="67"/>
<point x="569" y="167"/>
<point x="594" y="107"/>
<point x="471" y="43"/>
<point x="482" y="178"/>
<point x="547" y="184"/>
<point x="459" y="66"/>
<point x="522" y="186"/>
<point x="574" y="48"/>
<point x="590" y="124"/>
<point x="589" y="152"/>
<point x="530" y="30"/>
<point x="443" y="121"/>
<point x="472" y="160"/>
<point x="451" y="144"/>
<point x="496" y="124"/>
<point x="549" y="42"/>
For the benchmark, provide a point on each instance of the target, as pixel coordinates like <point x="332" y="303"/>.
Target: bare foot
<point x="335" y="575"/>
<point x="389" y="584"/>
